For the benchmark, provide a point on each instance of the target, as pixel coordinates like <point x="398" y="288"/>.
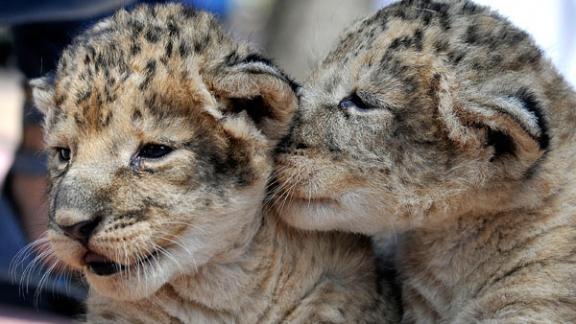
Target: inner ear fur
<point x="260" y="90"/>
<point x="43" y="93"/>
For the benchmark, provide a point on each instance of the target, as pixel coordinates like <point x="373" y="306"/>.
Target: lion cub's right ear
<point x="43" y="93"/>
<point x="253" y="87"/>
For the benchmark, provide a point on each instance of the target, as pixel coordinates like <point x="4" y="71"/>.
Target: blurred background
<point x="296" y="33"/>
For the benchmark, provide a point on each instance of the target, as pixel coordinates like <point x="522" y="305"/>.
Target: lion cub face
<point x="158" y="156"/>
<point x="423" y="110"/>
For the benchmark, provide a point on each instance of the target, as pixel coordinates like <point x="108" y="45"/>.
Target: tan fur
<point x="439" y="125"/>
<point x="170" y="128"/>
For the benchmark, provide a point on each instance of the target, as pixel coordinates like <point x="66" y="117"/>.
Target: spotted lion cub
<point x="442" y="121"/>
<point x="161" y="131"/>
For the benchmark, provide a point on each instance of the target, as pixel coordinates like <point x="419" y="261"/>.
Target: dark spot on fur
<point x="410" y="85"/>
<point x="105" y="119"/>
<point x="168" y="52"/>
<point x="531" y="57"/>
<point x="231" y="58"/>
<point x="455" y="57"/>
<point x="442" y="10"/>
<point x="59" y="99"/>
<point x="136" y="115"/>
<point x="151" y="11"/>
<point x="333" y="147"/>
<point x="441" y="46"/>
<point x="470" y="8"/>
<point x="136" y="27"/>
<point x="471" y="36"/>
<point x="101" y="62"/>
<point x="406" y="42"/>
<point x="200" y="45"/>
<point x="91" y="50"/>
<point x="153" y="34"/>
<point x="184" y="49"/>
<point x="417" y="38"/>
<point x="82" y="96"/>
<point x="396" y="43"/>
<point x="426" y="18"/>
<point x="173" y="30"/>
<point x="149" y="74"/>
<point x="135" y="49"/>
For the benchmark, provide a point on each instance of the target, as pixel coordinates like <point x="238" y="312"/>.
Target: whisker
<point x="18" y="260"/>
<point x="42" y="282"/>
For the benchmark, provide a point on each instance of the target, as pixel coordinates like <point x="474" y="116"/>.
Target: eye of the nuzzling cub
<point x="154" y="151"/>
<point x="354" y="102"/>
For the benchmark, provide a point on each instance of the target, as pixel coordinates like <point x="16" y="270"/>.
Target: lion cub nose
<point x="78" y="228"/>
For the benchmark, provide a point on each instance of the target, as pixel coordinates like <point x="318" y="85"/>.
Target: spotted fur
<point x="441" y="123"/>
<point x="160" y="131"/>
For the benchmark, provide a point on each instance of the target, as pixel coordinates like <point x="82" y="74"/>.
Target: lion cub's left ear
<point x="255" y="86"/>
<point x="43" y="93"/>
<point x="509" y="124"/>
<point x="515" y="123"/>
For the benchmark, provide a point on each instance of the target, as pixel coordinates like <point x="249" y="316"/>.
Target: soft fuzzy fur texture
<point x="160" y="131"/>
<point x="441" y="121"/>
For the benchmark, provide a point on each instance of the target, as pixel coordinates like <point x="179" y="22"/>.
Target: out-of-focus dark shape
<point x="27" y="11"/>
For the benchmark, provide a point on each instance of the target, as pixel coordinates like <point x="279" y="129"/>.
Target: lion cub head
<point x="425" y="110"/>
<point x="159" y="130"/>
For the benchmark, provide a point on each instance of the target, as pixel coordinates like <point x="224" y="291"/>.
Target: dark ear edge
<point x="43" y="93"/>
<point x="530" y="103"/>
<point x="255" y="86"/>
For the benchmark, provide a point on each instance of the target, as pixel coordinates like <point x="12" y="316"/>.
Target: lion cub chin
<point x="161" y="131"/>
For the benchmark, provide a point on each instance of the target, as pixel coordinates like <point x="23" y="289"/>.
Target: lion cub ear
<point x="510" y="125"/>
<point x="254" y="86"/>
<point x="43" y="93"/>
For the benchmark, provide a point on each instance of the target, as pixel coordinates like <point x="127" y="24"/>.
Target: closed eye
<point x="154" y="151"/>
<point x="354" y="102"/>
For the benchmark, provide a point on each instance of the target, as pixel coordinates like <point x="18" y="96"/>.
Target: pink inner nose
<point x="81" y="231"/>
<point x="92" y="257"/>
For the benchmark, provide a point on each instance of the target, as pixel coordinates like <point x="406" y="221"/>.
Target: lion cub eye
<point x="154" y="151"/>
<point x="64" y="154"/>
<point x="353" y="102"/>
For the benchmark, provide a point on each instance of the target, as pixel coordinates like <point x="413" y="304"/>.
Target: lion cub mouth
<point x="102" y="266"/>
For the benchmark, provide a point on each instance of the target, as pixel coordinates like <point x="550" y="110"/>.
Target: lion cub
<point x="441" y="121"/>
<point x="161" y="132"/>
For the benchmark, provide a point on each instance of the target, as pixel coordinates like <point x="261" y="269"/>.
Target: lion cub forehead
<point x="458" y="34"/>
<point x="148" y="60"/>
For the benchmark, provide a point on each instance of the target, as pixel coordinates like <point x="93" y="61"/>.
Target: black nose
<point x="81" y="231"/>
<point x="284" y="145"/>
